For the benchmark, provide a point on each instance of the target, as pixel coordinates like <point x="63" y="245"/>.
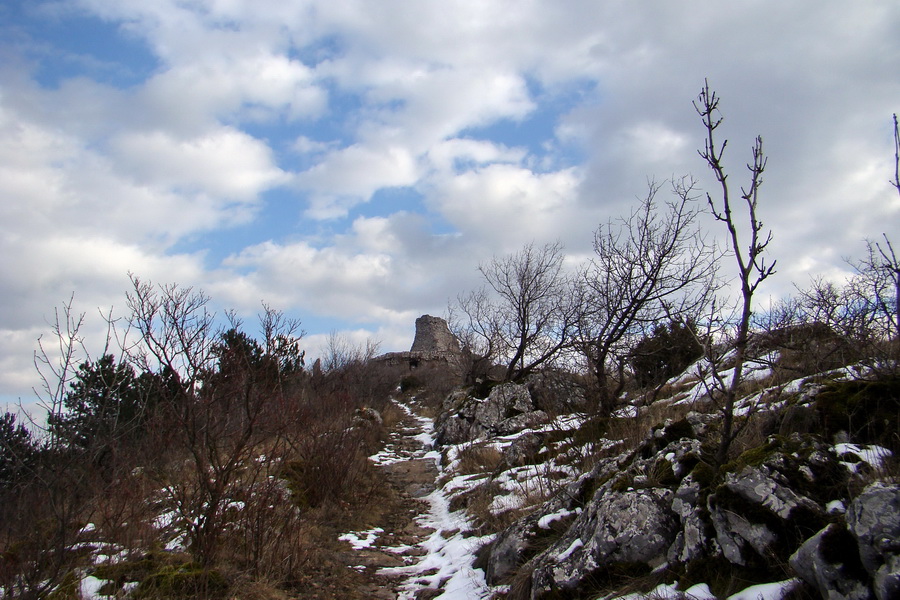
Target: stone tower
<point x="433" y="335"/>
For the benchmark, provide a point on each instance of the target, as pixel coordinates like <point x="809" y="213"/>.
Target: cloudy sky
<point x="352" y="161"/>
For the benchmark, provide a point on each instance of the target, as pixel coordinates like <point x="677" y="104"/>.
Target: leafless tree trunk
<point x="750" y="259"/>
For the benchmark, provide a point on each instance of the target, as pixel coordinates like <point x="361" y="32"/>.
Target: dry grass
<point x="756" y="430"/>
<point x="479" y="458"/>
<point x="659" y="412"/>
<point x="480" y="500"/>
<point x="392" y="415"/>
<point x="630" y="431"/>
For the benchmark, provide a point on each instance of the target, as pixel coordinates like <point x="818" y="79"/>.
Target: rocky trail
<point x="418" y="551"/>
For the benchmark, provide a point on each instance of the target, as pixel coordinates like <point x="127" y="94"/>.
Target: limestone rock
<point x="634" y="527"/>
<point x="752" y="512"/>
<point x="829" y="562"/>
<point x="555" y="393"/>
<point x="523" y="450"/>
<point x="693" y="540"/>
<point x="509" y="549"/>
<point x="874" y="520"/>
<point x="456" y="430"/>
<point x="517" y="543"/>
<point x="508" y="409"/>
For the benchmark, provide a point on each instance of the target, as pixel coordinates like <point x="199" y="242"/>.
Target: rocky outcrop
<point x="625" y="531"/>
<point x="859" y="560"/>
<point x="521" y="541"/>
<point x="874" y="520"/>
<point x="829" y="563"/>
<point x="662" y="504"/>
<point x="508" y="409"/>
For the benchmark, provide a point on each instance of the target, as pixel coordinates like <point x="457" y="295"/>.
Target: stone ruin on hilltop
<point x="433" y="335"/>
<point x="433" y="347"/>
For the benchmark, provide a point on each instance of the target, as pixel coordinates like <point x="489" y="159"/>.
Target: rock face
<point x="829" y="563"/>
<point x="874" y="520"/>
<point x="628" y="530"/>
<point x="508" y="409"/>
<point x="433" y="335"/>
<point x="859" y="560"/>
<point x="662" y="504"/>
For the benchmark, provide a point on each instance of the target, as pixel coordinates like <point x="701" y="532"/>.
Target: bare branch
<point x="751" y="263"/>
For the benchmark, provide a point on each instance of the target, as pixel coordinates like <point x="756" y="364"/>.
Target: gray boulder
<point x="693" y="539"/>
<point x="630" y="528"/>
<point x="516" y="544"/>
<point x="456" y="430"/>
<point x="556" y="393"/>
<point x="523" y="450"/>
<point x="753" y="510"/>
<point x="829" y="562"/>
<point x="874" y="520"/>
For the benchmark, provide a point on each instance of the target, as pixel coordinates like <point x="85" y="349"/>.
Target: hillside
<point x="412" y="486"/>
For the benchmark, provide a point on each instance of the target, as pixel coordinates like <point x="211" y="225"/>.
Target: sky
<point x="352" y="162"/>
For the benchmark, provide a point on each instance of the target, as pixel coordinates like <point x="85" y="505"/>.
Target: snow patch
<point x="548" y="519"/>
<point x="361" y="539"/>
<point x="874" y="456"/>
<point x="766" y="591"/>
<point x="572" y="548"/>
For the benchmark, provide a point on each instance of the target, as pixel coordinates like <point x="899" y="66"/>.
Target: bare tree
<point x="177" y="331"/>
<point x="896" y="181"/>
<point x="749" y="258"/>
<point x="864" y="312"/>
<point x="528" y="319"/>
<point x="651" y="265"/>
<point x="44" y="512"/>
<point x="56" y="366"/>
<point x="225" y="399"/>
<point x="878" y="279"/>
<point x="342" y="352"/>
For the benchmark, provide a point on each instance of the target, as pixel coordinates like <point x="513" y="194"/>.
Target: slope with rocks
<point x="579" y="506"/>
<point x="521" y="491"/>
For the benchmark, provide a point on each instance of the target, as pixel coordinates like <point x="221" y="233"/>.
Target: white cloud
<point x="224" y="163"/>
<point x="97" y="180"/>
<point x="508" y="203"/>
<point x="351" y="175"/>
<point x="458" y="153"/>
<point x="255" y="87"/>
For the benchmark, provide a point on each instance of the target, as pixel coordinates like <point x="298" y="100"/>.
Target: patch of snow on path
<point x="361" y="539"/>
<point x="447" y="563"/>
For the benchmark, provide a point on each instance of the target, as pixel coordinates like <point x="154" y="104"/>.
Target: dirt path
<point x="390" y="555"/>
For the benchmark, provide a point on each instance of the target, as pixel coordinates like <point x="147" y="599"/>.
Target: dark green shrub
<point x="869" y="411"/>
<point x="666" y="352"/>
<point x="18" y="450"/>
